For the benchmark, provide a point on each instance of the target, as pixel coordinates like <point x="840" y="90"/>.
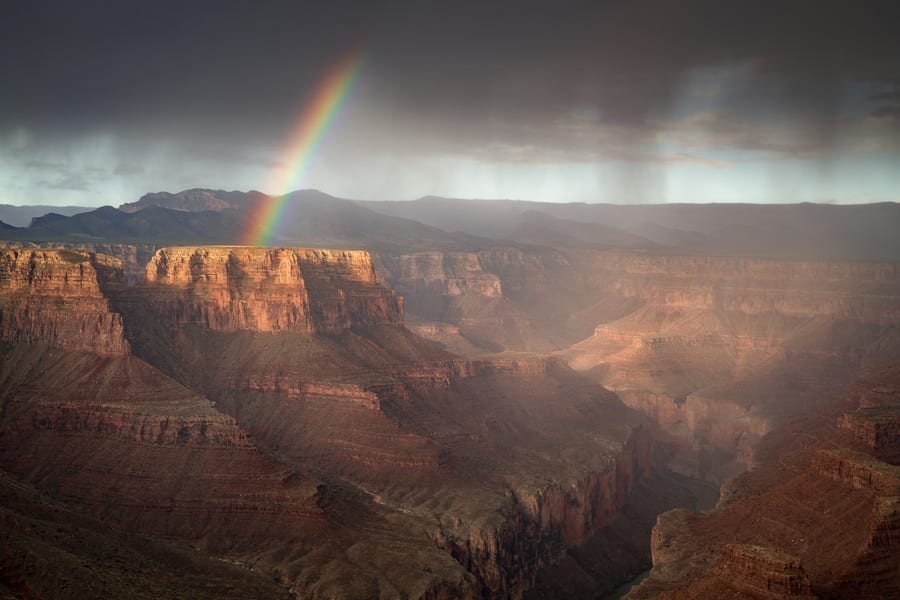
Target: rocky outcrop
<point x="130" y="423"/>
<point x="502" y="486"/>
<point x="879" y="428"/>
<point x="55" y="296"/>
<point x="714" y="438"/>
<point x="133" y="257"/>
<point x="540" y="298"/>
<point x="753" y="571"/>
<point x="721" y="350"/>
<point x="824" y="498"/>
<point x="260" y="289"/>
<point x="489" y="300"/>
<point x="858" y="470"/>
<point x="381" y="451"/>
<point x="444" y="274"/>
<point x="540" y="524"/>
<point x="857" y="290"/>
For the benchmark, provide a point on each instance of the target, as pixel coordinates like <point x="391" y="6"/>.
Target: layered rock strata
<point x="259" y="289"/>
<point x="751" y="571"/>
<point x="511" y="482"/>
<point x="388" y="466"/>
<point x="54" y="296"/>
<point x="490" y="300"/>
<point x="133" y="257"/>
<point x="722" y="350"/>
<point x="111" y="434"/>
<point x="824" y="499"/>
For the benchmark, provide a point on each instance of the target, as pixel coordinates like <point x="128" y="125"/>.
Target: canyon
<point x="439" y="415"/>
<point x="268" y="407"/>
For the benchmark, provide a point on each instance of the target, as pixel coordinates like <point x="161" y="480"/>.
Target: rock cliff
<point x="751" y="571"/>
<point x="258" y="289"/>
<point x="445" y="274"/>
<point x="821" y="498"/>
<point x="133" y="257"/>
<point x="289" y="422"/>
<point x="493" y="299"/>
<point x="55" y="296"/>
<point x="721" y="350"/>
<point x="498" y="485"/>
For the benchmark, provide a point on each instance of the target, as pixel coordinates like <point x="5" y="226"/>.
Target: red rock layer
<point x="858" y="470"/>
<point x="857" y="290"/>
<point x="823" y="497"/>
<point x="445" y="274"/>
<point x="133" y="257"/>
<point x="401" y="470"/>
<point x="259" y="289"/>
<point x="493" y="299"/>
<point x="53" y="550"/>
<point x="749" y="571"/>
<point x="55" y="296"/>
<point x="115" y="434"/>
<point x="503" y="463"/>
<point x="720" y="350"/>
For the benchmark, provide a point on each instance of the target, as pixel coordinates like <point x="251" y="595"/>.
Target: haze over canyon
<point x="376" y="406"/>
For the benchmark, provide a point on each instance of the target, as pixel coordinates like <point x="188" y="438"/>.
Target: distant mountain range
<point x="21" y="216"/>
<point x="803" y="231"/>
<point x="313" y="218"/>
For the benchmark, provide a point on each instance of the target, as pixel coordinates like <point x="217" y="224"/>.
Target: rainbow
<point x="315" y="121"/>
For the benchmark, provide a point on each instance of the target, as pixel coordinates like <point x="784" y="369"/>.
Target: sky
<point x="625" y="102"/>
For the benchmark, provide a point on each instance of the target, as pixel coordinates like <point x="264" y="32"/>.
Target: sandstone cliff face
<point x="752" y="571"/>
<point x="307" y="357"/>
<point x="858" y="470"/>
<point x="825" y="498"/>
<point x="133" y="257"/>
<point x="542" y="523"/>
<point x="445" y="274"/>
<point x="259" y="289"/>
<point x="490" y="300"/>
<point x="863" y="291"/>
<point x="481" y="470"/>
<point x="133" y="423"/>
<point x="511" y="481"/>
<point x="721" y="350"/>
<point x="55" y="296"/>
<point x="552" y="298"/>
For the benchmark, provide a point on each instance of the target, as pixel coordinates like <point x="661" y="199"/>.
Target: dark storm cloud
<point x="512" y="81"/>
<point x="44" y="165"/>
<point x="69" y="181"/>
<point x="888" y="103"/>
<point x="95" y="62"/>
<point x="128" y="169"/>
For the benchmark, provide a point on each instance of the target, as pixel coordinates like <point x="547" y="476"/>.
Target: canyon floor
<point x="382" y="408"/>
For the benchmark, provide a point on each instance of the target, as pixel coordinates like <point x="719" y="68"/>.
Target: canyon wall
<point x="489" y="300"/>
<point x="259" y="289"/>
<point x="719" y="350"/>
<point x="133" y="257"/>
<point x="819" y="515"/>
<point x="54" y="296"/>
<point x="285" y="420"/>
<point x="444" y="274"/>
<point x="285" y="406"/>
<point x="544" y="299"/>
<point x="859" y="290"/>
